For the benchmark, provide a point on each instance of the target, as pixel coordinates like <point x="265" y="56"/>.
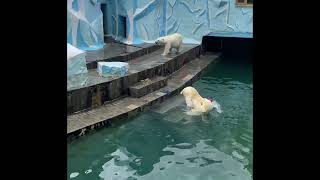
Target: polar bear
<point x="170" y="41"/>
<point x="197" y="103"/>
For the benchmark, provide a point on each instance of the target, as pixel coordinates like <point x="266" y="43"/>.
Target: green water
<point x="162" y="144"/>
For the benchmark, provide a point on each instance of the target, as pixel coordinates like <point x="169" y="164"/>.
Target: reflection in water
<point x="166" y="143"/>
<point x="187" y="161"/>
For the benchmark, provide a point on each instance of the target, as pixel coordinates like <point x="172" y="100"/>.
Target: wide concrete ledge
<point x="115" y="51"/>
<point x="80" y="123"/>
<point x="98" y="90"/>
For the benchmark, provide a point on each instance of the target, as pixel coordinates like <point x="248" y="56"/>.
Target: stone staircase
<point x="151" y="79"/>
<point x="147" y="86"/>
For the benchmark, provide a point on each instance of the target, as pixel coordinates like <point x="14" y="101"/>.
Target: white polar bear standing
<point x="170" y="41"/>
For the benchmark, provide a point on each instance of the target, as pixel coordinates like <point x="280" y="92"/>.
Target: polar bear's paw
<point x="178" y="50"/>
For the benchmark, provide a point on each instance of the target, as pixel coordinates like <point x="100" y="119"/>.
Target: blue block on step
<point x="112" y="68"/>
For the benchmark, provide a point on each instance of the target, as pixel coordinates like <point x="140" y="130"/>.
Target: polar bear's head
<point x="160" y="41"/>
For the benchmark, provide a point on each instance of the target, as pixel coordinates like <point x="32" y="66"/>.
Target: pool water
<point x="165" y="143"/>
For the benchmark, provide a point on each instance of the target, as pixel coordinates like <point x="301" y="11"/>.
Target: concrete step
<point x="115" y="51"/>
<point x="97" y="90"/>
<point x="147" y="86"/>
<point x="80" y="123"/>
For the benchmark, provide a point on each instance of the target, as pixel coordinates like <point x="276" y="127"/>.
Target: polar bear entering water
<point x="197" y="103"/>
<point x="170" y="41"/>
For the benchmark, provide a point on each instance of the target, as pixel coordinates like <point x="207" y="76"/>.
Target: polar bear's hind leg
<point x="178" y="49"/>
<point x="179" y="46"/>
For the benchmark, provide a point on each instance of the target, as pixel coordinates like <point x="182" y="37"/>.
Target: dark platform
<point x="147" y="86"/>
<point x="231" y="34"/>
<point x="80" y="123"/>
<point x="115" y="51"/>
<point x="94" y="101"/>
<point x="239" y="45"/>
<point x="98" y="90"/>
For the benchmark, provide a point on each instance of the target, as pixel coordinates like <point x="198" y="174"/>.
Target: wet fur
<point x="195" y="102"/>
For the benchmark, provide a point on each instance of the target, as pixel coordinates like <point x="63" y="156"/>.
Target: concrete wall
<point x="146" y="20"/>
<point x="85" y="24"/>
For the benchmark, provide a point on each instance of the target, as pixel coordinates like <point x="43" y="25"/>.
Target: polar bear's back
<point x="178" y="37"/>
<point x="190" y="92"/>
<point x="174" y="39"/>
